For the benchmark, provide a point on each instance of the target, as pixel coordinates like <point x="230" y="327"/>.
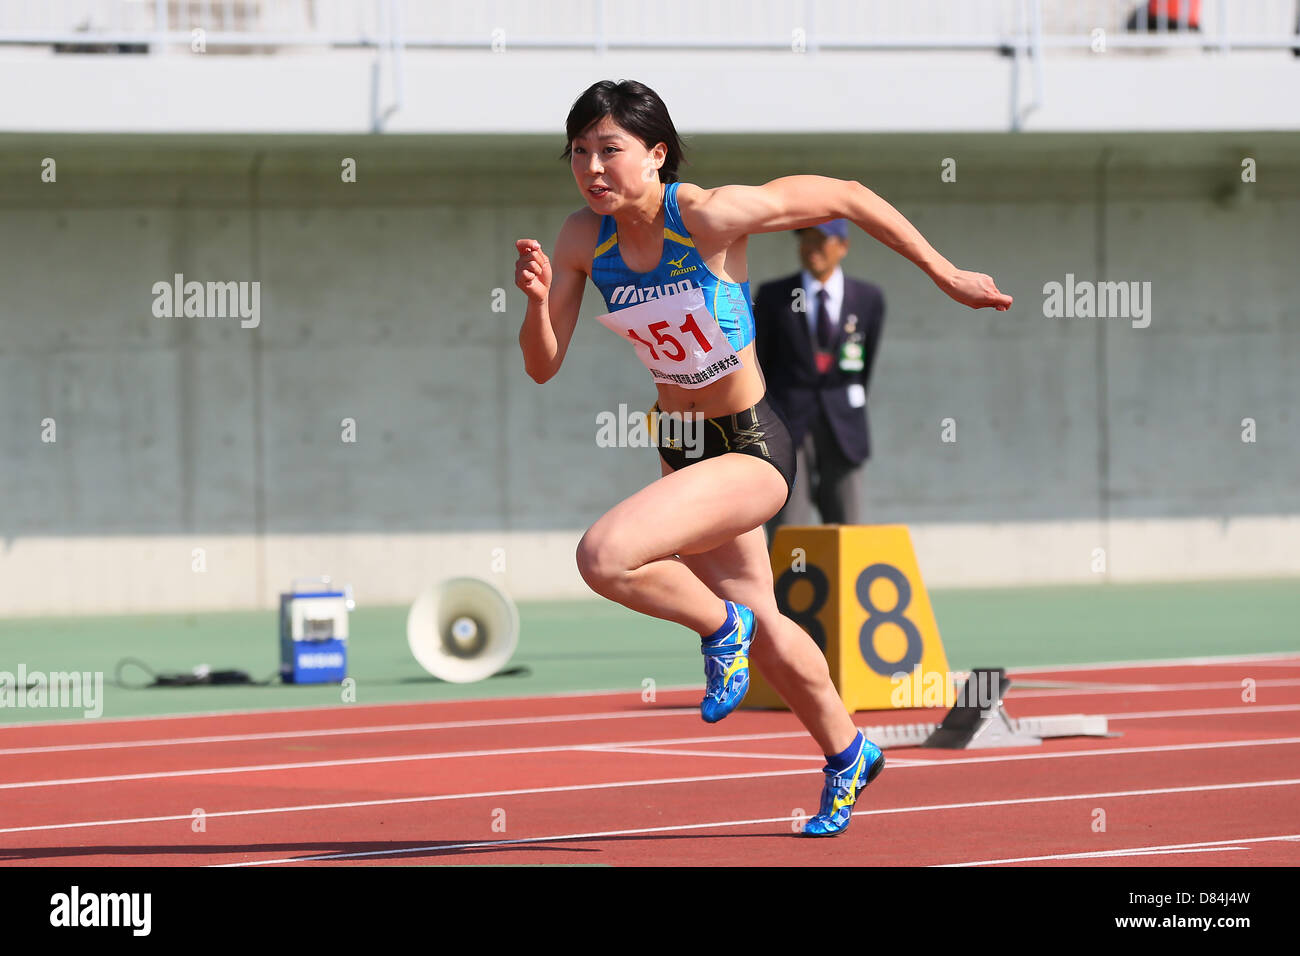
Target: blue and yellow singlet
<point x="680" y="267"/>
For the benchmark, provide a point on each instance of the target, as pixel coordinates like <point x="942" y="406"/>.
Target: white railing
<point x="800" y="25"/>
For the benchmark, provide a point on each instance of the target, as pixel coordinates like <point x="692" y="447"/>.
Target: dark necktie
<point x="823" y="318"/>
<point x="823" y="323"/>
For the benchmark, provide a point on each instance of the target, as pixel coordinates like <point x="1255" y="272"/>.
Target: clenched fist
<point x="975" y="290"/>
<point x="532" y="270"/>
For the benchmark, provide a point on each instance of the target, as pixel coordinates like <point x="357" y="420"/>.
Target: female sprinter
<point x="669" y="260"/>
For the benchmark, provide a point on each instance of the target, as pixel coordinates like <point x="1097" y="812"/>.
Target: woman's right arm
<point x="554" y="290"/>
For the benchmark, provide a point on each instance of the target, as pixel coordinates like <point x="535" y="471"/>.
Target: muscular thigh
<point x="738" y="569"/>
<point x="691" y="511"/>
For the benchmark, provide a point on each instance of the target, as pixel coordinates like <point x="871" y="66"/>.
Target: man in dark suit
<point x="817" y="332"/>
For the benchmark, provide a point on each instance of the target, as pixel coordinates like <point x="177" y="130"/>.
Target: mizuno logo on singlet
<point x="677" y="266"/>
<point x="626" y="294"/>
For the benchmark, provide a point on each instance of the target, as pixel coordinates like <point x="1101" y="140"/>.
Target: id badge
<point x="851" y="356"/>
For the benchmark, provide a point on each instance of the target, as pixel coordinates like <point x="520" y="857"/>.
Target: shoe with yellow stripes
<point x="841" y="791"/>
<point x="726" y="667"/>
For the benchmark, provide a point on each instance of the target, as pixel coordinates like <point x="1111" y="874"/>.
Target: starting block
<point x="858" y="593"/>
<point x="980" y="720"/>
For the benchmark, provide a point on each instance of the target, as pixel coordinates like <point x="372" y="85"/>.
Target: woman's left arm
<point x="798" y="202"/>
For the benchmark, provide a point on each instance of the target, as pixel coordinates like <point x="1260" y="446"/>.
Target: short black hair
<point x="636" y="108"/>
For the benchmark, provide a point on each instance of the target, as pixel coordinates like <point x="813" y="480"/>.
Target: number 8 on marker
<point x="876" y="617"/>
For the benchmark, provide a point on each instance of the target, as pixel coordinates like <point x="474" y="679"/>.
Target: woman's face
<point x="613" y="168"/>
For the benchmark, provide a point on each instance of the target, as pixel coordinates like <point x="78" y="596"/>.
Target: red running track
<point x="1199" y="777"/>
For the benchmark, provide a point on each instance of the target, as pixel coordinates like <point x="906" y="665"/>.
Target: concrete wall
<point x="176" y="434"/>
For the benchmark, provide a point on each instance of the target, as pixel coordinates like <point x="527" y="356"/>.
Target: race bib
<point x="677" y="339"/>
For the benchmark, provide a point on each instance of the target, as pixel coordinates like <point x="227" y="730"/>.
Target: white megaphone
<point x="462" y="630"/>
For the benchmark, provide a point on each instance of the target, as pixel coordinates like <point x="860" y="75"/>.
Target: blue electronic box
<point x="314" y="632"/>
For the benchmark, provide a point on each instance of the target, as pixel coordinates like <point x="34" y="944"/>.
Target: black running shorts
<point x="756" y="431"/>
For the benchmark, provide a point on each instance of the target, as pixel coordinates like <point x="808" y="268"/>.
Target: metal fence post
<point x="159" y="44"/>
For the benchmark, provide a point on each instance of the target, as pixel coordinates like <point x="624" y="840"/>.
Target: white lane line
<point x="1079" y="690"/>
<point x="683" y="711"/>
<point x="919" y="761"/>
<point x="521" y="840"/>
<point x="357" y="730"/>
<point x="1207" y="849"/>
<point x="1283" y="659"/>
<point x="894" y="763"/>
<point x="1133" y="851"/>
<point x="558" y="748"/>
<point x="394" y="758"/>
<point x="704" y="753"/>
<point x="395" y="801"/>
<point x="735" y="823"/>
<point x="686" y="711"/>
<point x="920" y="756"/>
<point x="334" y="708"/>
<point x="1238" y="711"/>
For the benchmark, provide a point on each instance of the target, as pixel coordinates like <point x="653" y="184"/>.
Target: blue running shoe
<point x="841" y="791"/>
<point x="726" y="667"/>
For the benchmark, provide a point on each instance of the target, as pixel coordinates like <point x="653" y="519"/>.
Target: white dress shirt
<point x="834" y="299"/>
